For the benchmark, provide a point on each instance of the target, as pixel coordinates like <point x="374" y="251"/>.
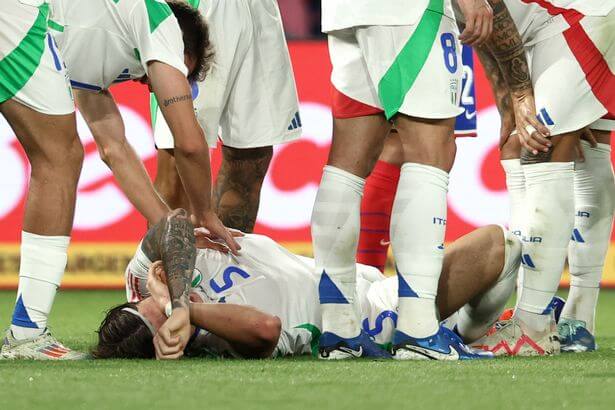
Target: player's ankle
<point x="22" y="333"/>
<point x="341" y="319"/>
<point x="417" y="317"/>
<point x="535" y="325"/>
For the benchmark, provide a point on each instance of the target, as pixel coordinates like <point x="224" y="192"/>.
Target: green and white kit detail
<point x="269" y="277"/>
<point x="413" y="68"/>
<point x="249" y="98"/>
<point x="32" y="71"/>
<point x="110" y="41"/>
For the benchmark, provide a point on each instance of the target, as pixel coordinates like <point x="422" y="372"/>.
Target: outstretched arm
<point x="105" y="122"/>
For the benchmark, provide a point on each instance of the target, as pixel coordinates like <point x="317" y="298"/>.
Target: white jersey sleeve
<point x="157" y="34"/>
<point x="136" y="276"/>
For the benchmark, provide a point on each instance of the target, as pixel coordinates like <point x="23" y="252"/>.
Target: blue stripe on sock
<point x="21" y="317"/>
<point x="328" y="292"/>
<point x="404" y="290"/>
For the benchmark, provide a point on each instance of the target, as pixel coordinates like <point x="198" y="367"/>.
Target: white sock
<point x="336" y="222"/>
<point x="594" y="190"/>
<point x="478" y="315"/>
<point x="43" y="260"/>
<point x="515" y="184"/>
<point x="550" y="219"/>
<point x="418" y="224"/>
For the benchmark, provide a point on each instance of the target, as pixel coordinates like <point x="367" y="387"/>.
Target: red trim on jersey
<point x="572" y="16"/>
<point x="592" y="62"/>
<point x="346" y="107"/>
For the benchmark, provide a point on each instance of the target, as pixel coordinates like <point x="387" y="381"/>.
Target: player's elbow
<point x="191" y="147"/>
<point x="268" y="331"/>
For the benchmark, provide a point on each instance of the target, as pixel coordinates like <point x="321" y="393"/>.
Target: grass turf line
<point x="575" y="381"/>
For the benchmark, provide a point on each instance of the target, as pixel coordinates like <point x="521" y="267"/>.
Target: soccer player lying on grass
<point x="264" y="302"/>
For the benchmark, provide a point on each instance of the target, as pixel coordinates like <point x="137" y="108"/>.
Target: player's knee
<point x="510" y="149"/>
<point x="246" y="165"/>
<point x="268" y="332"/>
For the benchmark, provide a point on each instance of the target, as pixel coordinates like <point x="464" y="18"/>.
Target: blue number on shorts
<point x="450" y="53"/>
<point x="228" y="279"/>
<point x="377" y="329"/>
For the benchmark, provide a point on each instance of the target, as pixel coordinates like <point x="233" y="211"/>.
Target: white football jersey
<point x="108" y="41"/>
<point x="341" y="14"/>
<point x="267" y="276"/>
<point x="537" y="21"/>
<point x="264" y="275"/>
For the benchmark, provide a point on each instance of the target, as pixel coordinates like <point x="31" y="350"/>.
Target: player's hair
<point x="196" y="37"/>
<point x="123" y="335"/>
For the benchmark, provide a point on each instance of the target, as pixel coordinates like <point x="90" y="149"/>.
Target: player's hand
<point x="479" y="21"/>
<point x="173" y="335"/>
<point x="533" y="135"/>
<point x="156" y="285"/>
<point x="204" y="239"/>
<point x="217" y="231"/>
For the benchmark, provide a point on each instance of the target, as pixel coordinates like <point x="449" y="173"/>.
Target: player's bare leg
<point x="55" y="155"/>
<point x="480" y="267"/>
<point x="357" y="142"/>
<point x="418" y="225"/>
<point x="594" y="204"/>
<point x="237" y="191"/>
<point x="238" y="185"/>
<point x="549" y="201"/>
<point x="168" y="183"/>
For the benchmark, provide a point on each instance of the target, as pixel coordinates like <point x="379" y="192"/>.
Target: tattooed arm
<point x="172" y="241"/>
<point x="506" y="47"/>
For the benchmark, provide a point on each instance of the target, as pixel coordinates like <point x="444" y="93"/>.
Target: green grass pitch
<point x="573" y="381"/>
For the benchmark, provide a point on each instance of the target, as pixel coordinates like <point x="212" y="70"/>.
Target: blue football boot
<point x="333" y="347"/>
<point x="444" y="345"/>
<point x="574" y="336"/>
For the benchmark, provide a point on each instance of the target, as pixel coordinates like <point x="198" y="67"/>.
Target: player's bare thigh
<point x="357" y="143"/>
<point x="52" y="138"/>
<point x="472" y="265"/>
<point x="56" y="155"/>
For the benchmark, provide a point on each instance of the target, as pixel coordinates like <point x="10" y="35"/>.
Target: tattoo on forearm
<point x="528" y="158"/>
<point x="172" y="241"/>
<point x="501" y="93"/>
<point x="237" y="191"/>
<point x="507" y="47"/>
<point x="168" y="101"/>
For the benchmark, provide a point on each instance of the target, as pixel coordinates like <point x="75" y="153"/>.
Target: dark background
<point x="301" y="18"/>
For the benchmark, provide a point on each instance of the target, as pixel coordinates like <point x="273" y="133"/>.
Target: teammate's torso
<point x="268" y="277"/>
<point x="537" y="20"/>
<point x="341" y="14"/>
<point x="106" y="41"/>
